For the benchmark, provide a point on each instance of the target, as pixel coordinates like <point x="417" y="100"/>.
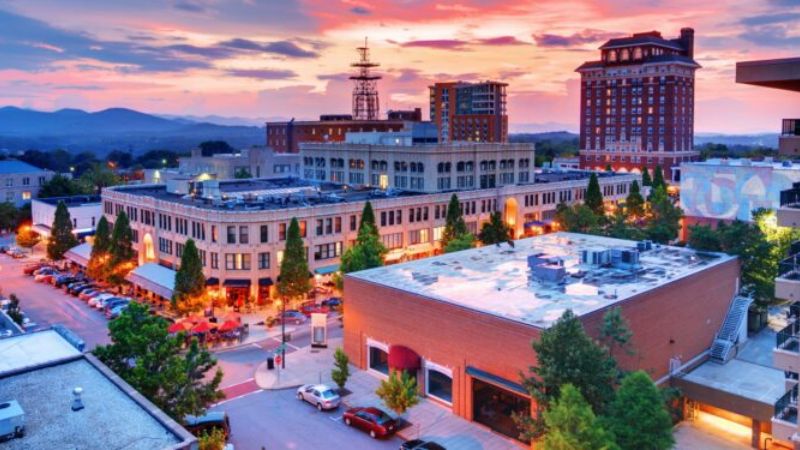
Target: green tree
<point x="495" y="230"/>
<point x="399" y="391"/>
<point x="367" y="252"/>
<point x="704" y="238"/>
<point x="14" y="312"/>
<point x="637" y="417"/>
<point x="618" y="227"/>
<point x="26" y="238"/>
<point x="454" y="223"/>
<point x="97" y="177"/>
<point x="8" y="216"/>
<point x="61" y="186"/>
<point x="462" y="242"/>
<point x="646" y="180"/>
<point x="658" y="179"/>
<point x="341" y="369"/>
<point x="609" y="168"/>
<point x="211" y="440"/>
<point x="586" y="365"/>
<point x="634" y="202"/>
<point x="368" y="216"/>
<point x="571" y="424"/>
<point x="190" y="284"/>
<point x="121" y="260"/>
<point x="758" y="261"/>
<point x="101" y="251"/>
<point x="594" y="196"/>
<point x="61" y="236"/>
<point x="242" y="173"/>
<point x="293" y="282"/>
<point x="665" y="221"/>
<point x="577" y="218"/>
<point x="144" y="354"/>
<point x="615" y="332"/>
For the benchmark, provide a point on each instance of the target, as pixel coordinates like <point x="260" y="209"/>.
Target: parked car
<point x="112" y="303"/>
<point x="319" y="395"/>
<point x="208" y="422"/>
<point x="332" y="303"/>
<point x="46" y="278"/>
<point x="116" y="311"/>
<point x="419" y="444"/>
<point x="372" y="420"/>
<point x="97" y="300"/>
<point x="29" y="269"/>
<point x="309" y="308"/>
<point x="81" y="287"/>
<point x="62" y="280"/>
<point x="18" y="254"/>
<point x="291" y="316"/>
<point x="89" y="293"/>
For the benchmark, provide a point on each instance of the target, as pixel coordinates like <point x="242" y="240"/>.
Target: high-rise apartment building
<point x="637" y="104"/>
<point x="474" y="112"/>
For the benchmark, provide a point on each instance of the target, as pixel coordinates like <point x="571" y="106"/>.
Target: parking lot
<point x="45" y="305"/>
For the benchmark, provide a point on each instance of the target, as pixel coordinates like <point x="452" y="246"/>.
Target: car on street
<point x="112" y="303"/>
<point x="319" y="395"/>
<point x="46" y="277"/>
<point x="419" y="444"/>
<point x="89" y="293"/>
<point x="97" y="301"/>
<point x="29" y="269"/>
<point x="309" y="308"/>
<point x="116" y="311"/>
<point x="371" y="420"/>
<point x="332" y="303"/>
<point x="81" y="287"/>
<point x="291" y="316"/>
<point x="62" y="280"/>
<point x="198" y="425"/>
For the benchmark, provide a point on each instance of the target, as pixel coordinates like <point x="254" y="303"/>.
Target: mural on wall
<point x="733" y="191"/>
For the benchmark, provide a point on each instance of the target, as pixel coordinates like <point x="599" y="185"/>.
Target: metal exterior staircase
<point x="733" y="329"/>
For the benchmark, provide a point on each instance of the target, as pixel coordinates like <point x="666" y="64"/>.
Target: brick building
<point x="463" y="323"/>
<point x="473" y="112"/>
<point x="286" y="137"/>
<point x="637" y="104"/>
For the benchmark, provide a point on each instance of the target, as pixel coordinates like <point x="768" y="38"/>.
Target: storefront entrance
<point x="493" y="406"/>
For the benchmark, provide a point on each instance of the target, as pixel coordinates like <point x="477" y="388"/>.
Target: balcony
<point x="789" y="140"/>
<point x="789" y="210"/>
<point x="786" y="354"/>
<point x="784" y="422"/>
<point x="787" y="284"/>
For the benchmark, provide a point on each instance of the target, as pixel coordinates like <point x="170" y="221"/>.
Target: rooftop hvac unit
<point x="625" y="258"/>
<point x="178" y="186"/>
<point x="644" y="246"/>
<point x="595" y="256"/>
<point x="209" y="189"/>
<point x="12" y="420"/>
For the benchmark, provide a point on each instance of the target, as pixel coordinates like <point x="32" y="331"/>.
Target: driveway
<point x="45" y="305"/>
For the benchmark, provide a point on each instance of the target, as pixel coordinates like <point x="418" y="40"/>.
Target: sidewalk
<point x="430" y="420"/>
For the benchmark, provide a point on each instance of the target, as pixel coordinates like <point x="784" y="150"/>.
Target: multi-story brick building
<point x="286" y="137"/>
<point x="412" y="160"/>
<point x="637" y="104"/>
<point x="473" y="112"/>
<point x="240" y="225"/>
<point x="20" y="182"/>
<point x="463" y="323"/>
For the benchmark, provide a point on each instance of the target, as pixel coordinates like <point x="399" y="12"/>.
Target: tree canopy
<point x="638" y="417"/>
<point x="646" y="180"/>
<point x="368" y="216"/>
<point x="293" y="282"/>
<point x="495" y="230"/>
<point x="577" y="218"/>
<point x="101" y="251"/>
<point x="398" y="391"/>
<point x="153" y="362"/>
<point x="61" y="236"/>
<point x="571" y="424"/>
<point x="634" y="202"/>
<point x="190" y="284"/>
<point x="664" y="223"/>
<point x="61" y="186"/>
<point x="455" y="236"/>
<point x="594" y="196"/>
<point x="120" y="262"/>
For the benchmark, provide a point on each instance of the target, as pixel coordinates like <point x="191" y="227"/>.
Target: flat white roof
<point x="496" y="279"/>
<point x="744" y="162"/>
<point x="33" y="349"/>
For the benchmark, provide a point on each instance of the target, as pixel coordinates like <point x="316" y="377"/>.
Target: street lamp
<point x="283" y="334"/>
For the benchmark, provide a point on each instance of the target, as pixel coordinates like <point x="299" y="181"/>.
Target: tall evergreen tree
<point x="190" y="284"/>
<point x="455" y="226"/>
<point x="293" y="282"/>
<point x="571" y="424"/>
<point x="594" y="196"/>
<point x="615" y="332"/>
<point x="587" y="366"/>
<point x="646" y="180"/>
<point x="658" y="178"/>
<point x="368" y="216"/>
<point x="637" y="417"/>
<point x="61" y="236"/>
<point x="495" y="230"/>
<point x="101" y="248"/>
<point x="634" y="203"/>
<point x="121" y="249"/>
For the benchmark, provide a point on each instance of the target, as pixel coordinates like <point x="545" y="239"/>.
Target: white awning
<point x="154" y="278"/>
<point x="79" y="254"/>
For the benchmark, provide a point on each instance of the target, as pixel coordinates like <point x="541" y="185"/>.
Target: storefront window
<point x="493" y="407"/>
<point x="378" y="360"/>
<point x="440" y="385"/>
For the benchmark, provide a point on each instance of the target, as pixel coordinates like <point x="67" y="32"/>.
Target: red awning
<point x="403" y="358"/>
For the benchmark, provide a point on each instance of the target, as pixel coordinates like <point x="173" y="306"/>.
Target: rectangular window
<point x="282" y="231"/>
<point x="231" y="234"/>
<point x="263" y="260"/>
<point x="393" y="240"/>
<point x="214" y="260"/>
<point x="264" y="234"/>
<point x="244" y="235"/>
<point x="213" y="233"/>
<point x="327" y="251"/>
<point x="230" y="261"/>
<point x="353" y="223"/>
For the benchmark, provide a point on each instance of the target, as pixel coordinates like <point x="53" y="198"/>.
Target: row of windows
<point x="26" y="181"/>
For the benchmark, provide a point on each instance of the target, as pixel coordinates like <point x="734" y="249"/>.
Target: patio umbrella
<point x="202" y="327"/>
<point x="177" y="327"/>
<point x="195" y="318"/>
<point x="232" y="316"/>
<point x="229" y="325"/>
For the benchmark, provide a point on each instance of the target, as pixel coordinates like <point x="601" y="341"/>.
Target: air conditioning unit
<point x="625" y="258"/>
<point x="595" y="256"/>
<point x="12" y="420"/>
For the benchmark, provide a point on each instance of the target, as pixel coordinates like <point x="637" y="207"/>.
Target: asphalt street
<point x="278" y="420"/>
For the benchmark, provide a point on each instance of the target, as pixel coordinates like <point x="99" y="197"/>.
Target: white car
<point x="96" y="301"/>
<point x="319" y="395"/>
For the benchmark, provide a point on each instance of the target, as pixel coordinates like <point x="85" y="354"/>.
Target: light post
<point x="283" y="334"/>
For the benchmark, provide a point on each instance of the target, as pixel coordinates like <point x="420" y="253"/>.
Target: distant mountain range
<point x="125" y="129"/>
<point x="113" y="129"/>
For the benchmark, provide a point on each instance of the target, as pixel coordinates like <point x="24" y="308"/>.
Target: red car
<point x="372" y="420"/>
<point x="311" y="307"/>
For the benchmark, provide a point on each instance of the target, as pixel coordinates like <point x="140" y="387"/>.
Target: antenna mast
<point x="365" y="92"/>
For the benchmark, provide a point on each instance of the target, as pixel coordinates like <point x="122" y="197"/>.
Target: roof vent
<point x="12" y="420"/>
<point x="77" y="403"/>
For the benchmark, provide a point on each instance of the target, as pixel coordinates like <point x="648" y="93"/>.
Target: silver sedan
<point x="319" y="395"/>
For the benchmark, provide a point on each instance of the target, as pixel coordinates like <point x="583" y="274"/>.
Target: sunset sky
<point x="290" y="58"/>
